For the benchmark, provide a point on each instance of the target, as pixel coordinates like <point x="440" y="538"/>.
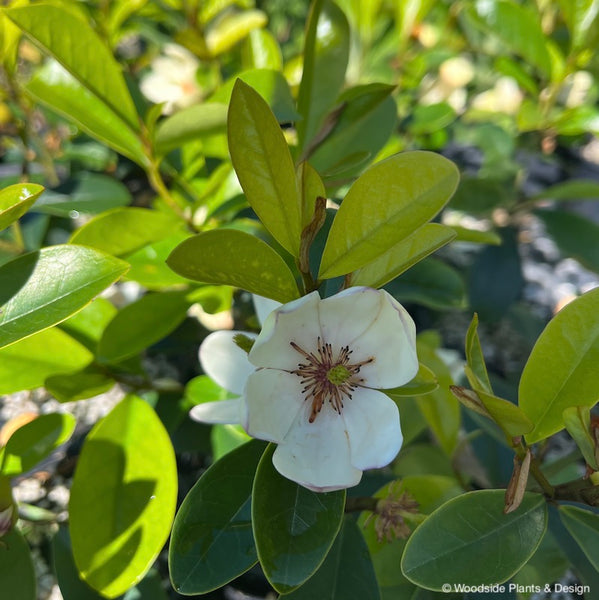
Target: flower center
<point x="326" y="377"/>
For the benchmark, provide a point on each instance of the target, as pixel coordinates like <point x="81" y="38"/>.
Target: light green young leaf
<point x="583" y="525"/>
<point x="470" y="541"/>
<point x="123" y="497"/>
<point x="231" y="257"/>
<point x="390" y="201"/>
<point x="17" y="576"/>
<point x="261" y="51"/>
<point x="16" y="200"/>
<point x="227" y="30"/>
<point x="311" y="187"/>
<point x="326" y="53"/>
<point x="26" y="364"/>
<point x="294" y="528"/>
<point x="424" y="382"/>
<point x="41" y="289"/>
<point x="141" y="324"/>
<point x="212" y="540"/>
<point x="124" y="230"/>
<point x="403" y="255"/>
<point x="264" y="166"/>
<point x="75" y="45"/>
<point x="475" y="236"/>
<point x="581" y="17"/>
<point x="476" y="360"/>
<point x="577" y="420"/>
<point x="35" y="440"/>
<point x="562" y="368"/>
<point x="510" y="417"/>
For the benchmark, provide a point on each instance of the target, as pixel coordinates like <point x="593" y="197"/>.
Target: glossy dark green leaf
<point x="123" y="497"/>
<point x="409" y="189"/>
<point x="190" y="124"/>
<point x="294" y="528"/>
<point x="403" y="255"/>
<point x="85" y="193"/>
<point x="26" y="364"/>
<point x="35" y="440"/>
<point x="43" y="288"/>
<point x="212" y="540"/>
<point x="518" y="28"/>
<point x="264" y="166"/>
<point x="124" y="230"/>
<point x="17" y="576"/>
<point x="326" y="54"/>
<point x="346" y="573"/>
<point x="270" y="84"/>
<point x="54" y="87"/>
<point x="562" y="368"/>
<point x="470" y="541"/>
<point x="74" y="44"/>
<point x="583" y="526"/>
<point x="576" y="236"/>
<point x="141" y="324"/>
<point x="16" y="200"/>
<point x="81" y="385"/>
<point x="496" y="278"/>
<point x="360" y="128"/>
<point x="230" y="257"/>
<point x="432" y="283"/>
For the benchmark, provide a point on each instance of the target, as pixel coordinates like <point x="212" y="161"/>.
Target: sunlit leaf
<point x="16" y="200"/>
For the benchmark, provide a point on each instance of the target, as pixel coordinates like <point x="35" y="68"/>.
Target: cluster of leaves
<point x="230" y="195"/>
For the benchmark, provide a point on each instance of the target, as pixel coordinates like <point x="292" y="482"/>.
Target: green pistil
<point x="338" y="375"/>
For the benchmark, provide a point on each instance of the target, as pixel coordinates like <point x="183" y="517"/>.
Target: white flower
<point x="504" y="97"/>
<point x="172" y="79"/>
<point x="311" y="384"/>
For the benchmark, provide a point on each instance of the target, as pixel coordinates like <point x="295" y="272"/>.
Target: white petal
<point x="295" y="321"/>
<point x="224" y="361"/>
<point x="158" y="89"/>
<point x="391" y="341"/>
<point x="222" y="411"/>
<point x="273" y="400"/>
<point x="263" y="307"/>
<point x="372" y="423"/>
<point x="317" y="455"/>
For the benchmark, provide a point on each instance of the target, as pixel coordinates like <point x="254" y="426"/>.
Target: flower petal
<point x="273" y="400"/>
<point x="224" y="361"/>
<point x="372" y="423"/>
<point x="221" y="411"/>
<point x="317" y="455"/>
<point x="263" y="307"/>
<point x="295" y="321"/>
<point x="391" y="340"/>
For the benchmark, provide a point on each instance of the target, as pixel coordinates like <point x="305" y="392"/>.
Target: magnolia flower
<point x="311" y="380"/>
<point x="504" y="97"/>
<point x="172" y="79"/>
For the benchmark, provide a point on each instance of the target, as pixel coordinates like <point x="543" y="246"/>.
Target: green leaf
<point x="326" y="54"/>
<point x="229" y="28"/>
<point x="518" y="28"/>
<point x="576" y="236"/>
<point x="431" y="118"/>
<point x="581" y="16"/>
<point x="40" y="289"/>
<point x="424" y="382"/>
<point x="346" y="573"/>
<point x="294" y="528"/>
<point x="54" y="87"/>
<point x="77" y="47"/>
<point x="124" y="230"/>
<point x="123" y="497"/>
<point x="88" y="324"/>
<point x="84" y="384"/>
<point x="190" y="124"/>
<point x="141" y="324"/>
<point x="403" y="255"/>
<point x="85" y="193"/>
<point x="409" y="189"/>
<point x="510" y="417"/>
<point x="26" y="364"/>
<point x="16" y="200"/>
<point x="270" y="84"/>
<point x="432" y="283"/>
<point x="311" y="187"/>
<point x="577" y="420"/>
<point x="17" y="576"/>
<point x="231" y="257"/>
<point x="574" y="189"/>
<point x="476" y="360"/>
<point x="261" y="50"/>
<point x="562" y="368"/>
<point x="583" y="526"/>
<point x="212" y="540"/>
<point x="264" y="166"/>
<point x="475" y="236"/>
<point x="470" y="541"/>
<point x="35" y="440"/>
